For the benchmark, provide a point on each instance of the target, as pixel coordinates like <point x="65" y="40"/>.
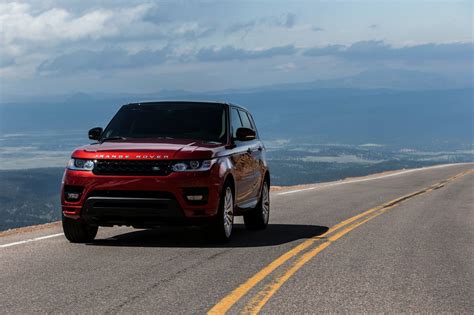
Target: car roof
<point x="217" y="103"/>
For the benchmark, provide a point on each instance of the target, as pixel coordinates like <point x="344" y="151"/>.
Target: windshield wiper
<point x="112" y="138"/>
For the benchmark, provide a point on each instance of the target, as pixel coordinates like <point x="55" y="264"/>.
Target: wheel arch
<point x="266" y="177"/>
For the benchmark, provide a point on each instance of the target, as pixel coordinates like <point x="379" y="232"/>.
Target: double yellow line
<point x="301" y="254"/>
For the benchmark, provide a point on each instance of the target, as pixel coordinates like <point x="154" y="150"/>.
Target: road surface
<point x="401" y="242"/>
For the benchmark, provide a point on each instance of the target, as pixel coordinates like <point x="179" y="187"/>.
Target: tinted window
<point x="245" y="119"/>
<point x="170" y="120"/>
<point x="252" y="121"/>
<point x="236" y="123"/>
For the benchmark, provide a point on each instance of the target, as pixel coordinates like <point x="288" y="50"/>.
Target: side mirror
<point x="95" y="133"/>
<point x="245" y="134"/>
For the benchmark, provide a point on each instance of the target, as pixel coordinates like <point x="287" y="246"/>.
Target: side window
<point x="254" y="127"/>
<point x="252" y="122"/>
<point x="245" y="119"/>
<point x="235" y="120"/>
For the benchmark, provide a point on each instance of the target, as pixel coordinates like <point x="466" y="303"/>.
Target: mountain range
<point x="343" y="115"/>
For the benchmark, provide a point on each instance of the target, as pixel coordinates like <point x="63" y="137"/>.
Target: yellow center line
<point x="262" y="297"/>
<point x="227" y="302"/>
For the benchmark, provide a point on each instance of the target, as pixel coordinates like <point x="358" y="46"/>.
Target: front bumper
<point x="141" y="200"/>
<point x="111" y="211"/>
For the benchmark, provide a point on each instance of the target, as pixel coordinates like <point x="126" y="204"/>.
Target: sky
<point x="54" y="47"/>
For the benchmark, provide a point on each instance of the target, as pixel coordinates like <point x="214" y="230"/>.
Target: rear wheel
<point x="257" y="219"/>
<point x="221" y="230"/>
<point x="78" y="232"/>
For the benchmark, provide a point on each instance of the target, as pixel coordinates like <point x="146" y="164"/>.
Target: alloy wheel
<point x="265" y="203"/>
<point x="228" y="211"/>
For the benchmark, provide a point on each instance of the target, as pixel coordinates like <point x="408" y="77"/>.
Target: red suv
<point x="168" y="163"/>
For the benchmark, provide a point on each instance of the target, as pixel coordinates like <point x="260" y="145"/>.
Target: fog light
<point x="72" y="193"/>
<point x="195" y="197"/>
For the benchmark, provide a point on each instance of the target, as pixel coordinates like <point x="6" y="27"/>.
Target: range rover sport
<point x="168" y="163"/>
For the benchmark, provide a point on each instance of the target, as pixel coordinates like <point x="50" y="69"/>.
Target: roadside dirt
<point x="32" y="228"/>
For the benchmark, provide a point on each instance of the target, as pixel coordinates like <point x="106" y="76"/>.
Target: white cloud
<point x="57" y="41"/>
<point x="286" y="20"/>
<point x="286" y="67"/>
<point x="18" y="23"/>
<point x="29" y="34"/>
<point x="191" y="30"/>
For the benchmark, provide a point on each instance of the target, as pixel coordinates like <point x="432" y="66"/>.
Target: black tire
<point x="257" y="218"/>
<point x="218" y="231"/>
<point x="78" y="232"/>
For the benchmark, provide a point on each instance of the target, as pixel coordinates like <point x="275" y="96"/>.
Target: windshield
<point x="200" y="121"/>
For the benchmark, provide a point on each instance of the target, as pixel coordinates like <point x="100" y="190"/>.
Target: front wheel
<point x="221" y="229"/>
<point x="257" y="219"/>
<point x="78" y="232"/>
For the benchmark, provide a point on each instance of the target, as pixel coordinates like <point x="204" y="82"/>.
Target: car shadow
<point x="275" y="234"/>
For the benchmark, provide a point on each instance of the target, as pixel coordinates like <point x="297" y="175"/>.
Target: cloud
<point x="323" y="51"/>
<point x="452" y="51"/>
<point x="374" y="26"/>
<point x="44" y="42"/>
<point x="6" y="61"/>
<point x="24" y="28"/>
<point x="191" y="30"/>
<point x="19" y="23"/>
<point x="379" y="50"/>
<point x="231" y="53"/>
<point x="111" y="58"/>
<point x="286" y="20"/>
<point x="286" y="67"/>
<point x="246" y="26"/>
<point x="106" y="59"/>
<point x="117" y="58"/>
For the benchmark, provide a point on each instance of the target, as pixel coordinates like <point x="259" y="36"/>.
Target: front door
<point x="243" y="161"/>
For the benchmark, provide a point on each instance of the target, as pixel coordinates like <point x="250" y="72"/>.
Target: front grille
<point x="132" y="167"/>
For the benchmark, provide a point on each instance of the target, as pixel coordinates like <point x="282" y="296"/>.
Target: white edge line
<point x="30" y="240"/>
<point x="322" y="185"/>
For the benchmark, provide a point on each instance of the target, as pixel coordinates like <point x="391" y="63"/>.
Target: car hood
<point x="150" y="150"/>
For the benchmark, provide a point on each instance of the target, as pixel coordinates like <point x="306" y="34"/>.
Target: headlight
<point x="194" y="165"/>
<point x="81" y="165"/>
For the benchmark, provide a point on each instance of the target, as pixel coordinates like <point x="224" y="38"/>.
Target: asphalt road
<point x="351" y="247"/>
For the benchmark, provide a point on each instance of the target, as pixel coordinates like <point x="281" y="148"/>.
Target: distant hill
<point x="29" y="197"/>
<point x="389" y="79"/>
<point x="343" y="115"/>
